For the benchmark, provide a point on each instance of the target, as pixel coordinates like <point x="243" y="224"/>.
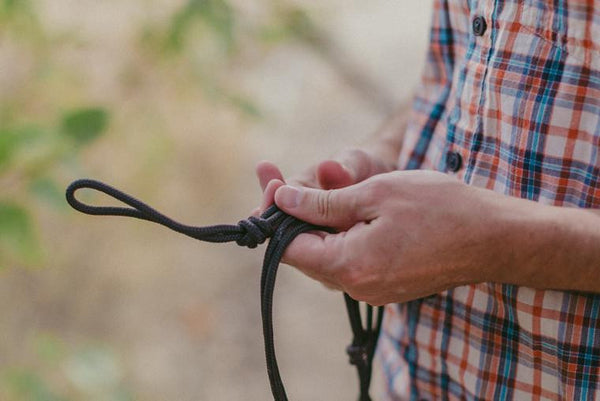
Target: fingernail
<point x="288" y="197"/>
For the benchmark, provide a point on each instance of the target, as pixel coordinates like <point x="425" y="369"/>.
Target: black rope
<point x="282" y="229"/>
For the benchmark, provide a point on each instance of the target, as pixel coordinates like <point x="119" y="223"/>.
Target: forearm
<point x="548" y="247"/>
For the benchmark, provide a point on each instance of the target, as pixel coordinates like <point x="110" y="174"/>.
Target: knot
<point x="255" y="231"/>
<point x="359" y="354"/>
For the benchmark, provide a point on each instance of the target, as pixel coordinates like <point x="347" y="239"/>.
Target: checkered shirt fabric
<point x="521" y="105"/>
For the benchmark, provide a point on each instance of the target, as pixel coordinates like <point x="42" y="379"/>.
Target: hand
<point x="401" y="235"/>
<point x="348" y="168"/>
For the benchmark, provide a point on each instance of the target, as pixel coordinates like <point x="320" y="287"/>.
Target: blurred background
<point x="175" y="102"/>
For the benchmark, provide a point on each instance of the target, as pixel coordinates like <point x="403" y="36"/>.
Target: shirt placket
<point x="465" y="133"/>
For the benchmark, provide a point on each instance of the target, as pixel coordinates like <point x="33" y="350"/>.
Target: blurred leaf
<point x="94" y="369"/>
<point x="85" y="125"/>
<point x="7" y="146"/>
<point x="48" y="191"/>
<point x="216" y="14"/>
<point x="122" y="394"/>
<point x="274" y="33"/>
<point x="299" y="23"/>
<point x="27" y="385"/>
<point x="245" y="105"/>
<point x="292" y="23"/>
<point x="8" y="7"/>
<point x="20" y="17"/>
<point x="14" y="139"/>
<point x="17" y="233"/>
<point x="49" y="348"/>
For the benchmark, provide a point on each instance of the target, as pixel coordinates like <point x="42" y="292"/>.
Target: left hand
<point x="401" y="235"/>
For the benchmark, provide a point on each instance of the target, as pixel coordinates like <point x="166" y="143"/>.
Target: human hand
<point x="348" y="168"/>
<point x="400" y="235"/>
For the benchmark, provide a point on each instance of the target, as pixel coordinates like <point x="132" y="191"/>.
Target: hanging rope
<point x="282" y="229"/>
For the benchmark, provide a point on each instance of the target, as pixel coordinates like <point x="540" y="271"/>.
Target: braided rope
<point x="282" y="229"/>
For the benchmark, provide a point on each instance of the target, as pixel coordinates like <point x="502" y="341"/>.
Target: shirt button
<point x="453" y="161"/>
<point x="479" y="25"/>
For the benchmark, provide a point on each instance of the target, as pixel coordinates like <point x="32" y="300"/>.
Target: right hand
<point x="350" y="167"/>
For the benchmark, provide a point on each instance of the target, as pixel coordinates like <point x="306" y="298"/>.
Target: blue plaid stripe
<point x="499" y="347"/>
<point x="521" y="105"/>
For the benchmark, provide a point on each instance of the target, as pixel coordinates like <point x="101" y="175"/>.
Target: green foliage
<point x="46" y="190"/>
<point x="8" y="143"/>
<point x="12" y="7"/>
<point x="244" y="105"/>
<point x="94" y="369"/>
<point x="49" y="349"/>
<point x="19" y="16"/>
<point x="291" y="23"/>
<point x="89" y="372"/>
<point x="219" y="19"/>
<point x="26" y="385"/>
<point x="17" y="234"/>
<point x="28" y="155"/>
<point x="84" y="125"/>
<point x="215" y="14"/>
<point x="31" y="148"/>
<point x="14" y="140"/>
<point x="39" y="141"/>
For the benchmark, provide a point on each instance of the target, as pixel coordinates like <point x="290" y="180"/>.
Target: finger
<point x="350" y="167"/>
<point x="308" y="178"/>
<point x="332" y="174"/>
<point x="269" y="194"/>
<point x="360" y="164"/>
<point x="325" y="256"/>
<point x="338" y="208"/>
<point x="314" y="254"/>
<point x="267" y="171"/>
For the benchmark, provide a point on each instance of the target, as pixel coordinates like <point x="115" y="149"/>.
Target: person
<point x="474" y="217"/>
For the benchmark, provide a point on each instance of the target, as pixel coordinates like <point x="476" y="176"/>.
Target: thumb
<point x="338" y="208"/>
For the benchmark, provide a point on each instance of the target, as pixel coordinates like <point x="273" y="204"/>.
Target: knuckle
<point x="324" y="203"/>
<point x="351" y="278"/>
<point x="358" y="155"/>
<point x="359" y="161"/>
<point x="373" y="192"/>
<point x="361" y="284"/>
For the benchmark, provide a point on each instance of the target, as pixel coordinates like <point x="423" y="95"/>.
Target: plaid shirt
<point x="509" y="101"/>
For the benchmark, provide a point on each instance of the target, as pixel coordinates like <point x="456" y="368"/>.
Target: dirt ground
<point x="163" y="317"/>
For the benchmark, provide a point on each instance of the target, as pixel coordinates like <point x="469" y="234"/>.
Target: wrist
<point x="533" y="238"/>
<point x="508" y="237"/>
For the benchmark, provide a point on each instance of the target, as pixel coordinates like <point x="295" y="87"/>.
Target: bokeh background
<point x="175" y="101"/>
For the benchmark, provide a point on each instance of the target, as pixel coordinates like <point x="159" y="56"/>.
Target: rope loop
<point x="282" y="229"/>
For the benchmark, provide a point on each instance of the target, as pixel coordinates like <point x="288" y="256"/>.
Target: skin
<point x="403" y="235"/>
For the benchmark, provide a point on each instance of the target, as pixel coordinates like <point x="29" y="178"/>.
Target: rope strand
<point x="282" y="229"/>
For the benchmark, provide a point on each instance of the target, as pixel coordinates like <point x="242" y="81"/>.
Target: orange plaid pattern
<point x="510" y="101"/>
